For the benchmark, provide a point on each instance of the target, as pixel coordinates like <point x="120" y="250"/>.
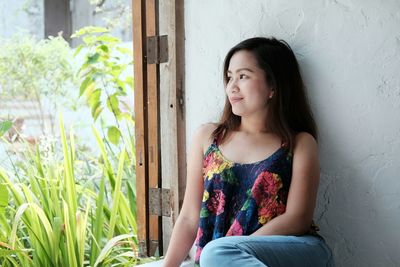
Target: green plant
<point x="37" y="70"/>
<point x="51" y="217"/>
<point x="105" y="83"/>
<point x="4" y="127"/>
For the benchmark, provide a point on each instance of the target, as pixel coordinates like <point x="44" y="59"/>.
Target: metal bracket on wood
<point x="157" y="49"/>
<point x="160" y="201"/>
<point x="154" y="249"/>
<point x="142" y="248"/>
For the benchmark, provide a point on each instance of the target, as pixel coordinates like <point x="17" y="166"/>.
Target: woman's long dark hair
<point x="288" y="111"/>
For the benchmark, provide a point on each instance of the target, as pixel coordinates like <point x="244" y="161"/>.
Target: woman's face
<point x="247" y="88"/>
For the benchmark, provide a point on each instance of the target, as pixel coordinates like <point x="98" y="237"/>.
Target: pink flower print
<point x="199" y="235"/>
<point x="198" y="253"/>
<point x="266" y="186"/>
<point x="269" y="209"/>
<point x="208" y="165"/>
<point x="221" y="204"/>
<point x="216" y="202"/>
<point x="280" y="208"/>
<point x="235" y="229"/>
<point x="265" y="193"/>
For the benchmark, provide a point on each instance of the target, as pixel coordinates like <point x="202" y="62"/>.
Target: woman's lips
<point x="235" y="99"/>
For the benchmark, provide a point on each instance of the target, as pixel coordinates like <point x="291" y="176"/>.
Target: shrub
<point x="49" y="218"/>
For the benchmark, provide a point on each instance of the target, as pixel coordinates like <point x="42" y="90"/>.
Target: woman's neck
<point x="253" y="126"/>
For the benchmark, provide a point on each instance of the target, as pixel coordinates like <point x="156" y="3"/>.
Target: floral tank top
<point x="240" y="198"/>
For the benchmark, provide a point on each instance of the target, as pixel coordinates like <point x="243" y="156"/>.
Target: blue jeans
<point x="270" y="251"/>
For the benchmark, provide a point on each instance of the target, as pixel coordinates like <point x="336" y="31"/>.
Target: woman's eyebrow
<point x="247" y="69"/>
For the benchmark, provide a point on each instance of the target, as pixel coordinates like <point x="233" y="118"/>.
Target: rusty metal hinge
<point x="160" y="201"/>
<point x="157" y="49"/>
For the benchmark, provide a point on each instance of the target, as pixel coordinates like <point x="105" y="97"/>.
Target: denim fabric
<point x="271" y="251"/>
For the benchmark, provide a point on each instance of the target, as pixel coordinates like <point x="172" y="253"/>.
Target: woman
<point x="253" y="178"/>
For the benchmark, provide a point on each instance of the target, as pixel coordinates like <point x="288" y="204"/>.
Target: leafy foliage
<point x="104" y="81"/>
<point x="39" y="71"/>
<point x="50" y="215"/>
<point x="33" y="69"/>
<point x="61" y="205"/>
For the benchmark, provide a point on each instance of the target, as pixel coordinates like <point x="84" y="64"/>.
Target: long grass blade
<point x="109" y="246"/>
<point x="107" y="164"/>
<point x="72" y="257"/>
<point x="117" y="195"/>
<point x="98" y="222"/>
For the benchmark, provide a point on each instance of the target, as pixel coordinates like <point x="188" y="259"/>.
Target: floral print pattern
<point x="265" y="193"/>
<point x="240" y="198"/>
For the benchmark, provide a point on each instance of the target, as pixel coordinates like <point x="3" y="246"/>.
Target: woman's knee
<point x="216" y="251"/>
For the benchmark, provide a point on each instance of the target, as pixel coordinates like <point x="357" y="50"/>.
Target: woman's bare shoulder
<point x="203" y="134"/>
<point x="305" y="142"/>
<point x="304" y="138"/>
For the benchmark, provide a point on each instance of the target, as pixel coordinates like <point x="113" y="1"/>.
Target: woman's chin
<point x="237" y="112"/>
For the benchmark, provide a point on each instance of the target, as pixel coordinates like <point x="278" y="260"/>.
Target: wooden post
<point x="140" y="79"/>
<point x="159" y="114"/>
<point x="172" y="119"/>
<point x="153" y="126"/>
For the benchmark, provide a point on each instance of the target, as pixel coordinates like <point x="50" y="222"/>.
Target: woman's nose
<point x="233" y="87"/>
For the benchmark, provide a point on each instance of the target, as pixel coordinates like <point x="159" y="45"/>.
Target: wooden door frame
<point x="160" y="124"/>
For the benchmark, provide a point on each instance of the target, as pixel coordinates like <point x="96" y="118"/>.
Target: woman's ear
<point x="271" y="94"/>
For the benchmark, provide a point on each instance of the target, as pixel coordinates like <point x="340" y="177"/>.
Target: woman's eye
<point x="242" y="76"/>
<point x="228" y="78"/>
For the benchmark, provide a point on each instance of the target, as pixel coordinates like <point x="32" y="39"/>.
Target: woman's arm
<point x="302" y="193"/>
<point x="185" y="228"/>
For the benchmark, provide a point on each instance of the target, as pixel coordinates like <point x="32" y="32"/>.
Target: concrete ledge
<point x="160" y="263"/>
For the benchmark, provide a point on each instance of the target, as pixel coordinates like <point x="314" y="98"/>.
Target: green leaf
<point x="108" y="39"/>
<point x="104" y="48"/>
<point x="121" y="85"/>
<point x="78" y="49"/>
<point x="97" y="221"/>
<point x="116" y="71"/>
<point x="4" y="127"/>
<point x="113" y="242"/>
<point x="94" y="98"/>
<point x="117" y="191"/>
<point x="90" y="40"/>
<point x="3" y="197"/>
<point x="93" y="58"/>
<point x="113" y="104"/>
<point x="114" y="135"/>
<point x="96" y="112"/>
<point x="107" y="164"/>
<point x="69" y="232"/>
<point x="85" y="84"/>
<point x="89" y="30"/>
<point x="125" y="50"/>
<point x="124" y="115"/>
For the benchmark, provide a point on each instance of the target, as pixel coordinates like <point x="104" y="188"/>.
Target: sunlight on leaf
<point x="4" y="127"/>
<point x="3" y="198"/>
<point x="113" y="135"/>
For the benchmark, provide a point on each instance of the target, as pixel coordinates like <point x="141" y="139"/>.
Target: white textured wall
<point x="349" y="53"/>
